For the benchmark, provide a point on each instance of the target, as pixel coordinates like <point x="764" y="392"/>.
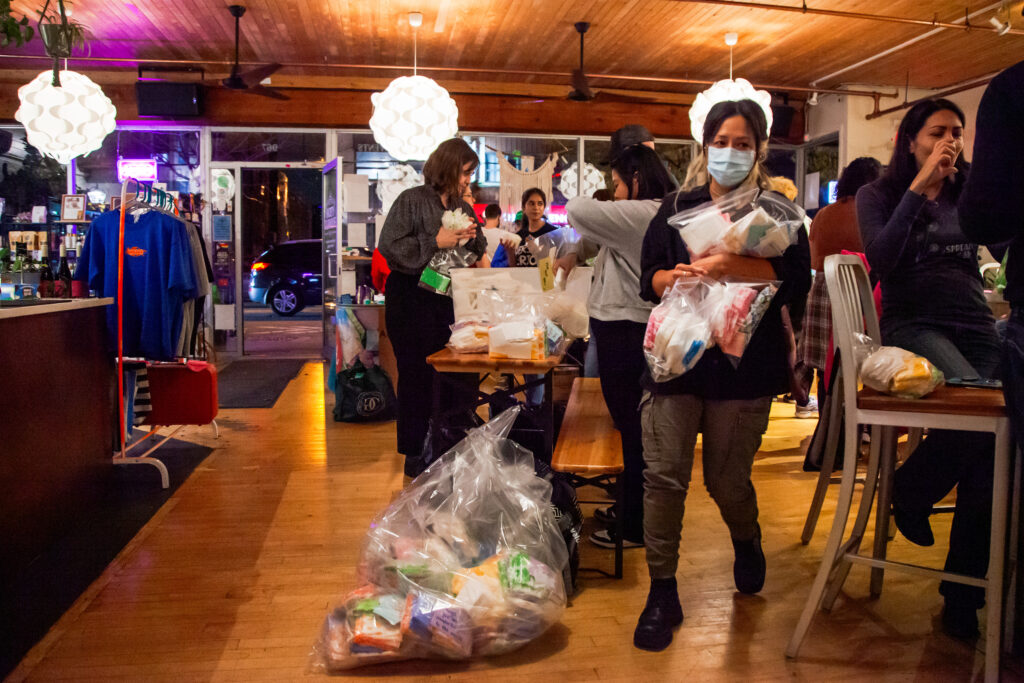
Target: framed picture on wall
<point x="72" y="207"/>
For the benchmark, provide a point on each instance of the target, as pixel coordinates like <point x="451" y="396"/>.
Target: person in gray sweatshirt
<point x="618" y="316"/>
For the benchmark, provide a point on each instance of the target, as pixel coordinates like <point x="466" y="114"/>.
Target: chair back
<point x="853" y="311"/>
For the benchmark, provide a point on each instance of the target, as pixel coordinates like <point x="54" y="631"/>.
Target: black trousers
<point x="621" y="363"/>
<point x="418" y="323"/>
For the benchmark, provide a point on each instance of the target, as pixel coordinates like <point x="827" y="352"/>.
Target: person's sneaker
<point x="749" y="568"/>
<point x="914" y="525"/>
<point x="960" y="621"/>
<point x="807" y="411"/>
<point x="605" y="538"/>
<point x="605" y="515"/>
<point x="661" y="615"/>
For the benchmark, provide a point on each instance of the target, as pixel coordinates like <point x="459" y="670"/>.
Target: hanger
<point x="147" y="198"/>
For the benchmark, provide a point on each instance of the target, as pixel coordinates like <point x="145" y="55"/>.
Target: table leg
<point x="549" y="417"/>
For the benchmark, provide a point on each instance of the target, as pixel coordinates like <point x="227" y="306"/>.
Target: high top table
<point x="466" y="398"/>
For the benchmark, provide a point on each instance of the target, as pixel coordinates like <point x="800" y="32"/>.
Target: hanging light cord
<point x="730" y="62"/>
<point x="415" y="33"/>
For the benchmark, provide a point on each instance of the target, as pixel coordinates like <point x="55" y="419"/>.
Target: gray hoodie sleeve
<point x="617" y="225"/>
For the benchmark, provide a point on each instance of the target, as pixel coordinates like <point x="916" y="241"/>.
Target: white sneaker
<point x="807" y="411"/>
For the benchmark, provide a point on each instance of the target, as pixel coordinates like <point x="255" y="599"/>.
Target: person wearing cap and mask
<point x="728" y="405"/>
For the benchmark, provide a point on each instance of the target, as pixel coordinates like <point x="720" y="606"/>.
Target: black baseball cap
<point x="626" y="137"/>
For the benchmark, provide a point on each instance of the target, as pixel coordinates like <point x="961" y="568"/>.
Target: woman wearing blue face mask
<point x="727" y="405"/>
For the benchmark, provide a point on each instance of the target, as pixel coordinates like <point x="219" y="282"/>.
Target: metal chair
<point x="947" y="408"/>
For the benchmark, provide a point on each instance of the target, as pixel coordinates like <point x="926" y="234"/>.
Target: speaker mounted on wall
<point x="164" y="98"/>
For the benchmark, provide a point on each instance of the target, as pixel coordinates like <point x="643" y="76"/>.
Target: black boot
<point x="749" y="567"/>
<point x="960" y="620"/>
<point x="660" y="616"/>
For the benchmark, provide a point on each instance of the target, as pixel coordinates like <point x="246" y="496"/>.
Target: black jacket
<point x="763" y="371"/>
<point x="992" y="202"/>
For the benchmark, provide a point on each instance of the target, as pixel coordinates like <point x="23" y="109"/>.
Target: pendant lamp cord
<point x="730" y="62"/>
<point x="415" y="33"/>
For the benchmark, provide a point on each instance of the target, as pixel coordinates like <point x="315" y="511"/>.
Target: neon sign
<point x="139" y="169"/>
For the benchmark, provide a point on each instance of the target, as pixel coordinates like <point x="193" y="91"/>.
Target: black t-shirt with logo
<point x="523" y="256"/>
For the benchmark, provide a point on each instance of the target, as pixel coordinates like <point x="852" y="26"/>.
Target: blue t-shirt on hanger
<point x="159" y="276"/>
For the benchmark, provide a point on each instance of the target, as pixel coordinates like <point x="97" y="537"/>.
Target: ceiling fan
<point x="581" y="91"/>
<point x="250" y="80"/>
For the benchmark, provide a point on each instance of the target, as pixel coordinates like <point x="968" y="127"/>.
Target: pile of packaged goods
<point x="522" y="327"/>
<point x="468" y="561"/>
<point x="747" y="222"/>
<point x="698" y="314"/>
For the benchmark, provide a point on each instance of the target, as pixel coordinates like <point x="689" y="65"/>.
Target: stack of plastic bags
<point x="435" y="276"/>
<point x="698" y="314"/>
<point x="468" y="561"/>
<point x="522" y="327"/>
<point x="747" y="222"/>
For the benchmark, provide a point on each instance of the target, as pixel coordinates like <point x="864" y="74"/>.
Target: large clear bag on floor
<point x="748" y="222"/>
<point x="468" y="561"/>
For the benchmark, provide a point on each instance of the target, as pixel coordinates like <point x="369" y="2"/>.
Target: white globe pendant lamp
<point x="414" y="114"/>
<point x="65" y="117"/>
<point x="574" y="184"/>
<point x="724" y="91"/>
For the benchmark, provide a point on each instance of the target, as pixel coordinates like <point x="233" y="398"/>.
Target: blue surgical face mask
<point x="729" y="166"/>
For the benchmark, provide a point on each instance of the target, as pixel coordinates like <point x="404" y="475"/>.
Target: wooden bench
<point x="589" y="449"/>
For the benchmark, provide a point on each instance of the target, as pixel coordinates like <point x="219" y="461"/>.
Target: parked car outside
<point x="287" y="277"/>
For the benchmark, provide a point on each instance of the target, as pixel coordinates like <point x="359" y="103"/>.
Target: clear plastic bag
<point x="739" y="311"/>
<point x="557" y="253"/>
<point x="435" y="276"/>
<point x="747" y="222"/>
<point x="469" y="336"/>
<point x="518" y="328"/>
<point x="467" y="561"/>
<point x="679" y="329"/>
<point x="698" y="314"/>
<point x="896" y="371"/>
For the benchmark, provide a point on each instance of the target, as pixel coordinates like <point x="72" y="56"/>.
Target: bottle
<point x="46" y="284"/>
<point x="62" y="286"/>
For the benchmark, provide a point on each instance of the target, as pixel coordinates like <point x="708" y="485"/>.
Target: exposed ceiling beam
<point x="455" y="69"/>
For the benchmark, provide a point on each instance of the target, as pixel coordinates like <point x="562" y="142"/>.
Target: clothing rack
<point x="143" y="196"/>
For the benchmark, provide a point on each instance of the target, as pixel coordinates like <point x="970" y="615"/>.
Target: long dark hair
<point x="903" y="164"/>
<point x="443" y="168"/>
<point x="524" y="224"/>
<point x="857" y="174"/>
<point x="697" y="173"/>
<point x="643" y="164"/>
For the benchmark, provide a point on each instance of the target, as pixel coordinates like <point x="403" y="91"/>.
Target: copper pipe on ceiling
<point x="967" y="85"/>
<point x="457" y="69"/>
<point x="804" y="9"/>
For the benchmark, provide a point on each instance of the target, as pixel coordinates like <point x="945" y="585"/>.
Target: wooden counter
<point x="56" y="421"/>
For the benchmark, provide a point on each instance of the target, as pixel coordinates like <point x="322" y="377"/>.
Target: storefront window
<point x="27" y="178"/>
<point x="256" y="146"/>
<point x="676" y="156"/>
<point x="175" y="152"/>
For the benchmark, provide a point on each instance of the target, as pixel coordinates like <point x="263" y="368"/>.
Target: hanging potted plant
<point x="12" y="29"/>
<point x="60" y="35"/>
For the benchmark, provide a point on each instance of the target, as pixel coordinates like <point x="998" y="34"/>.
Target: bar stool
<point x="976" y="410"/>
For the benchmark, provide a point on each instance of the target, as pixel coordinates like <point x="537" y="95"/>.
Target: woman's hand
<point x="938" y="166"/>
<point x="665" y="279"/>
<point x="446" y="239"/>
<point x="718" y="266"/>
<point x="510" y="245"/>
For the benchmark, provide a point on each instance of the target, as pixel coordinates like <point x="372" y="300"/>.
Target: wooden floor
<point x="232" y="578"/>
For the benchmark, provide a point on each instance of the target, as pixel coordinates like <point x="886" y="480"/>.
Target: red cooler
<point x="182" y="393"/>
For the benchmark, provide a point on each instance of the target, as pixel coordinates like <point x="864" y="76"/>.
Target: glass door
<point x="280" y="251"/>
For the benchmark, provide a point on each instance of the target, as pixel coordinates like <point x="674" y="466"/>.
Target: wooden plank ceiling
<point x="646" y="38"/>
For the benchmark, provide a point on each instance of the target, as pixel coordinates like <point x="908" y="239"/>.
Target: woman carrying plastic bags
<point x="618" y="316"/>
<point x="418" y="318"/>
<point x="725" y="402"/>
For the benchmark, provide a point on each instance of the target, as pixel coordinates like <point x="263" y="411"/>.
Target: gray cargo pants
<point x="732" y="434"/>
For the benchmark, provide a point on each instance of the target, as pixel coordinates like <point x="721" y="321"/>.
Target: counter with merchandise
<point x="55" y="420"/>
